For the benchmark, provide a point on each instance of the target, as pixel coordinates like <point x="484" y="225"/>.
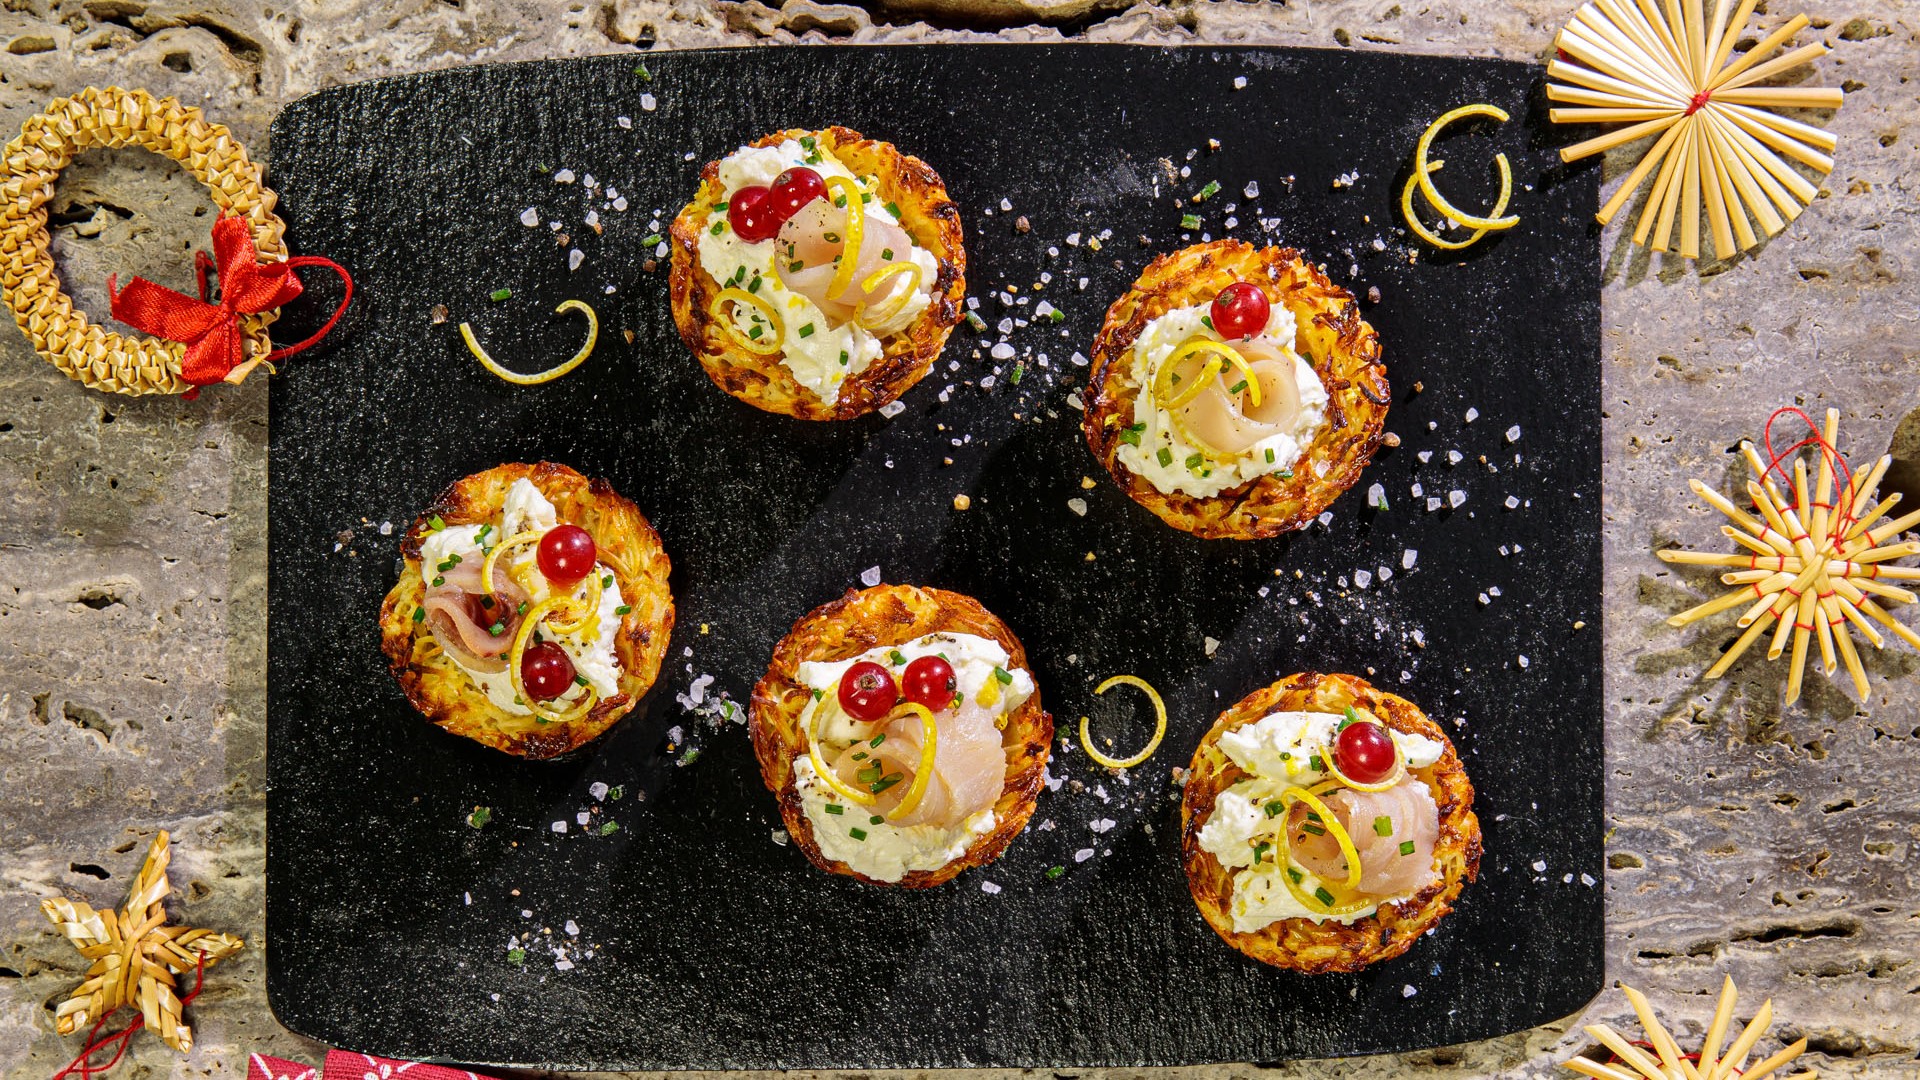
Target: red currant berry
<point x="867" y="691"/>
<point x="567" y="555"/>
<point x="929" y="681"/>
<point x="792" y="190"/>
<point x="1365" y="753"/>
<point x="1240" y="311"/>
<point x="546" y="671"/>
<point x="751" y="215"/>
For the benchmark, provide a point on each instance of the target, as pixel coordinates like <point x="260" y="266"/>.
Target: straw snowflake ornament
<point x="1811" y="565"/>
<point x="1663" y="67"/>
<point x="1668" y="1063"/>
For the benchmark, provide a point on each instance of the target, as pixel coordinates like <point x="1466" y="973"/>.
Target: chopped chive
<point x="651" y="239"/>
<point x="1189" y="221"/>
<point x="1238" y="388"/>
<point x="623" y="609"/>
<point x="1383" y="826"/>
<point x="857" y="834"/>
<point x="1285" y="756"/>
<point x="893" y="208"/>
<point x="617" y="792"/>
<point x="1260" y="852"/>
<point x="609" y="828"/>
<point x="1003" y="675"/>
<point x="1195" y="460"/>
<point x="606" y="581"/>
<point x="1131" y="433"/>
<point x="1208" y="192"/>
<point x="435" y="523"/>
<point x="877" y="739"/>
<point x="1019" y="371"/>
<point x="868" y="774"/>
<point x="486" y="602"/>
<point x="859" y="755"/>
<point x="1321" y="894"/>
<point x="1269" y="455"/>
<point x="809" y="142"/>
<point x="1286" y="474"/>
<point x="1275" y="809"/>
<point x="1317" y="764"/>
<point x="793" y="267"/>
<point x="718" y="228"/>
<point x="516" y="956"/>
<point x="497" y="629"/>
<point x="1406" y="847"/>
<point x="643" y="72"/>
<point x="831" y="238"/>
<point x="579" y="680"/>
<point x="1165" y="456"/>
<point x="807" y="330"/>
<point x="522" y="609"/>
<point x="843" y="358"/>
<point x="974" y="320"/>
<point x="480" y="816"/>
<point x="754" y="285"/>
<point x="499" y="294"/>
<point x="419" y="614"/>
<point x="886" y="253"/>
<point x="1057" y="315"/>
<point x="1295" y="875"/>
<point x="818" y="694"/>
<point x="836" y="809"/>
<point x="1314" y="829"/>
<point x="439" y="581"/>
<point x="896" y="658"/>
<point x="739" y="274"/>
<point x="875" y="819"/>
<point x="1054" y="873"/>
<point x="840" y="201"/>
<point x="481" y="536"/>
<point x="1207" y="321"/>
<point x="886" y="782"/>
<point x="754" y="333"/>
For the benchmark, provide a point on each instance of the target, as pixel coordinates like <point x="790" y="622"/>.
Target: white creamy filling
<point x="1171" y="471"/>
<point x="887" y="852"/>
<point x="1278" y="752"/>
<point x="526" y="509"/>
<point x="826" y="355"/>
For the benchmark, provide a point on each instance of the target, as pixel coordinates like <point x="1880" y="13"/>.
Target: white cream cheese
<point x="826" y="355"/>
<point x="1278" y="751"/>
<point x="886" y="852"/>
<point x="1170" y="472"/>
<point x="526" y="509"/>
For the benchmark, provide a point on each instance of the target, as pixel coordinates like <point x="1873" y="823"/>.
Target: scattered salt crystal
<point x="575" y="258"/>
<point x="989" y="888"/>
<point x="1566" y="879"/>
<point x="893" y="408"/>
<point x="563" y="965"/>
<point x="468" y="897"/>
<point x="592" y="218"/>
<point x="1433" y="503"/>
<point x="530" y="217"/>
<point x="1377" y="497"/>
<point x="1325" y="518"/>
<point x="986" y="384"/>
<point x="1073" y="239"/>
<point x="1493" y="590"/>
<point x="1363" y="578"/>
<point x="1540" y="866"/>
<point x="647" y="102"/>
<point x="572" y="928"/>
<point x="1418" y="490"/>
<point x="1240" y="83"/>
<point x="559" y="826"/>
<point x="1586" y="879"/>
<point x="870" y="576"/>
<point x="620" y="203"/>
<point x="598" y="790"/>
<point x="1484" y="601"/>
<point x="1524" y="662"/>
<point x="1513" y="433"/>
<point x="1101" y="825"/>
<point x="1078" y="506"/>
<point x="564" y="176"/>
<point x="1083" y="854"/>
<point x="386" y="528"/>
<point x="1001" y="351"/>
<point x="624" y="121"/>
<point x="1384" y="573"/>
<point x="526" y="913"/>
<point x="1005" y="205"/>
<point x="1079" y="359"/>
<point x="1456" y="497"/>
<point x="1512" y="503"/>
<point x="1454" y="457"/>
<point x="1408" y="991"/>
<point x="583" y="817"/>
<point x="1379" y="244"/>
<point x="1472" y="415"/>
<point x="1426" y="456"/>
<point x="1212" y="645"/>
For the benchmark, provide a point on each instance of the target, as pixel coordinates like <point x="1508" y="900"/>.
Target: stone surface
<point x="1782" y="847"/>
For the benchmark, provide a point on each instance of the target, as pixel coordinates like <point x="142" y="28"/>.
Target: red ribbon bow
<point x="216" y="349"/>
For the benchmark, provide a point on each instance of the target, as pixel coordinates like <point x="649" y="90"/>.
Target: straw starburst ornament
<point x="1810" y="565"/>
<point x="1662" y="66"/>
<point x="1668" y="1063"/>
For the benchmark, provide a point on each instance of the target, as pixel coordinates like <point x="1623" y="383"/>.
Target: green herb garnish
<point x="419" y="614"/>
<point x="857" y="834"/>
<point x="806" y="331"/>
<point x="1208" y="192"/>
<point x="516" y="956"/>
<point x="480" y="816"/>
<point x="1165" y="456"/>
<point x="1189" y="221"/>
<point x="1406" y="847"/>
<point x="1054" y="873"/>
<point x="499" y="294"/>
<point x="836" y="809"/>
<point x="1321" y="894"/>
<point x="1383" y="826"/>
<point x="1003" y="675"/>
<point x="1131" y="433"/>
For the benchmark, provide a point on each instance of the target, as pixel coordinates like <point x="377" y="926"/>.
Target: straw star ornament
<point x="135" y="955"/>
<point x="1811" y="566"/>
<point x="1662" y="67"/>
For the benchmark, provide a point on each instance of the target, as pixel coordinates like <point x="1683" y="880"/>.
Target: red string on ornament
<point x="1616" y="1059"/>
<point x="1698" y="102"/>
<point x="84" y="1067"/>
<point x="1779" y="459"/>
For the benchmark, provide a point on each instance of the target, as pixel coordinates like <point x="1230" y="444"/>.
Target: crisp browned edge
<point x="622" y="533"/>
<point x="1301" y="944"/>
<point x="871" y="618"/>
<point x="1342" y="348"/>
<point x="763" y="381"/>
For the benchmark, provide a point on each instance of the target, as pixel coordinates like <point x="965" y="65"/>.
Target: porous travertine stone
<point x="1783" y="848"/>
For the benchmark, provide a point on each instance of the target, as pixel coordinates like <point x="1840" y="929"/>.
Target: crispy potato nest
<point x="764" y="382"/>
<point x="626" y="543"/>
<point x="1343" y="350"/>
<point x="872" y="618"/>
<point x="1302" y="944"/>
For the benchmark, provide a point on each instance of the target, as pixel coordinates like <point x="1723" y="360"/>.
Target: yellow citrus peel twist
<point x="827" y="776"/>
<point x="854" y="229"/>
<point x="1422" y="178"/>
<point x="499" y="549"/>
<point x="552" y="373"/>
<point x="1159" y="724"/>
<point x="1399" y="765"/>
<point x="923" y="774"/>
<point x="900" y="296"/>
<point x="769" y="346"/>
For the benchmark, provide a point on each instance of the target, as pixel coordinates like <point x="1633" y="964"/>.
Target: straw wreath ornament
<point x="1668" y="1063"/>
<point x="197" y="342"/>
<point x="1662" y="66"/>
<point x="1811" y="565"/>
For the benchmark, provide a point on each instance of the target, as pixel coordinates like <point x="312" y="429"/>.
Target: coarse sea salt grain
<point x="1512" y="503"/>
<point x="624" y="121"/>
<point x="1418" y="490"/>
<point x="1363" y="578"/>
<point x="1001" y="351"/>
<point x="572" y="928"/>
<point x="530" y="217"/>
<point x="1240" y="83"/>
<point x="893" y="408"/>
<point x="1377" y="497"/>
<point x="1456" y="497"/>
<point x="582" y="817"/>
<point x="1408" y="991"/>
<point x="1513" y="433"/>
<point x="989" y="888"/>
<point x="598" y="790"/>
<point x="1524" y="662"/>
<point x="870" y="576"/>
<point x="1083" y="854"/>
<point x="1101" y="825"/>
<point x="1425" y="456"/>
<point x="1454" y="457"/>
<point x="1433" y="503"/>
<point x="1078" y="506"/>
<point x="559" y="826"/>
<point x="647" y="102"/>
<point x="1540" y="866"/>
<point x="1472" y="415"/>
<point x="564" y="176"/>
<point x="575" y="258"/>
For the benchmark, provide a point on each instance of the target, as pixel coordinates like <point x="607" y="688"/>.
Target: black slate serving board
<point x="714" y="946"/>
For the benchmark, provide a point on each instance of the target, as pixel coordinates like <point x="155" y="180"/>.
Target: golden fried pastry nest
<point x="626" y="543"/>
<point x="873" y="618"/>
<point x="764" y="382"/>
<point x="1343" y="350"/>
<point x="1302" y="944"/>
